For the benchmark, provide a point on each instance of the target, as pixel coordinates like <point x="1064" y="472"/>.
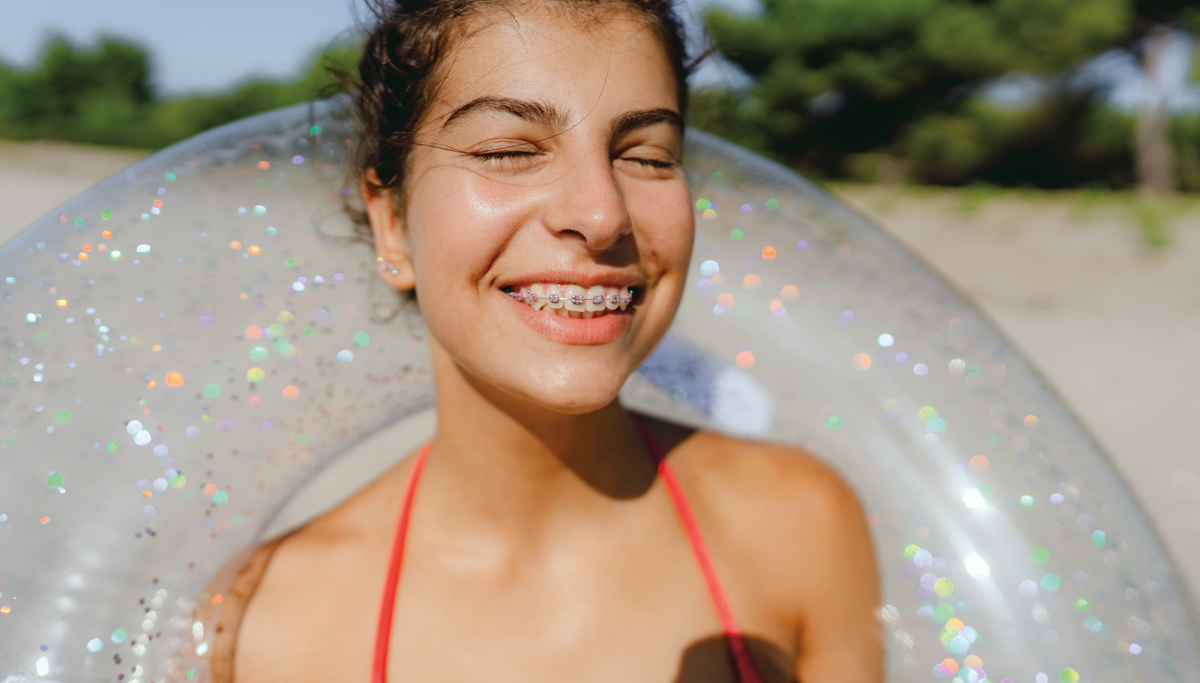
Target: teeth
<point x="595" y="299"/>
<point x="539" y="297"/>
<point x="573" y="301"/>
<point x="554" y="296"/>
<point x="612" y="298"/>
<point x="575" y="298"/>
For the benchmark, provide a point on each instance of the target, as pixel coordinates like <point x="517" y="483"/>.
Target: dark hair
<point x="400" y="61"/>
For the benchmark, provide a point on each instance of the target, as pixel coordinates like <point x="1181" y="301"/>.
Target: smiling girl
<point x="522" y="171"/>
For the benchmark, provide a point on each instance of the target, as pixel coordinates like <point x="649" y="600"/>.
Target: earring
<point x="386" y="267"/>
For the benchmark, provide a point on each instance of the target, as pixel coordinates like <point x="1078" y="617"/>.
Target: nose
<point x="587" y="203"/>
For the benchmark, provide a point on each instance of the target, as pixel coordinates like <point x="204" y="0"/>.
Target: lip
<point x="575" y="331"/>
<point x="564" y="276"/>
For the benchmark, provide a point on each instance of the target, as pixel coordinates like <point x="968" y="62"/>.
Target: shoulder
<point x="768" y="483"/>
<point x="784" y="520"/>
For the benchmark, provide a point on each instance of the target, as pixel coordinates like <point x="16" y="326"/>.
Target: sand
<point x="1112" y="323"/>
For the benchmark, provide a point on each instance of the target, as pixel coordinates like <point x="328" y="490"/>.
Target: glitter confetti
<point x="174" y="379"/>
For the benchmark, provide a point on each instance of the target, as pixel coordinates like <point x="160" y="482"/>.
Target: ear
<point x="390" y="243"/>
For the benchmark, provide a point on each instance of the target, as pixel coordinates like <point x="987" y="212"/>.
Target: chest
<point x="636" y="609"/>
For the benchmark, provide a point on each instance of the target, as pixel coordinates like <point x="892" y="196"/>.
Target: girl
<point x="521" y="170"/>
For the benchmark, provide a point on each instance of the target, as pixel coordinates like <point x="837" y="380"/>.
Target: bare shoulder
<point x="769" y="483"/>
<point x="788" y="526"/>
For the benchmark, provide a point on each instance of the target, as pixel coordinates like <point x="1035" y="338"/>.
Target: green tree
<point x="838" y="77"/>
<point x="102" y="94"/>
<point x="86" y="94"/>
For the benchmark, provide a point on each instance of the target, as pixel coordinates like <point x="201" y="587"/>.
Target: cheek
<point x="459" y="225"/>
<point x="668" y="229"/>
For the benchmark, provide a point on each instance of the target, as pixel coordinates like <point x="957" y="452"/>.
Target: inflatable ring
<point x="192" y="340"/>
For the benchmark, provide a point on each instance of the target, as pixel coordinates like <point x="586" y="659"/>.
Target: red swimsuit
<point x="746" y="670"/>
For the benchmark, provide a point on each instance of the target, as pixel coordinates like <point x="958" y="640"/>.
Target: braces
<point x="577" y="299"/>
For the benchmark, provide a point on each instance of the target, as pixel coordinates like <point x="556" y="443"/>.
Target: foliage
<point x="103" y="95"/>
<point x="840" y="81"/>
<point x="848" y="76"/>
<point x="1185" y="136"/>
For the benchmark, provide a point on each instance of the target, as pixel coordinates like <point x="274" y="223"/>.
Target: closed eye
<point x="653" y="163"/>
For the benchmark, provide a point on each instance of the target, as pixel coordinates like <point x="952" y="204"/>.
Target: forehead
<point x="584" y="62"/>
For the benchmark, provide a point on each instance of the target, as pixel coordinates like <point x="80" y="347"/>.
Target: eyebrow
<point x="643" y="118"/>
<point x="534" y="112"/>
<point x="551" y="117"/>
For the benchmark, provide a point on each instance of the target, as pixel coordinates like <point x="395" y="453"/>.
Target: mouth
<point x="573" y="301"/>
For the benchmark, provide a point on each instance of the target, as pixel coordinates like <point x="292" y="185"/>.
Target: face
<point x="547" y="169"/>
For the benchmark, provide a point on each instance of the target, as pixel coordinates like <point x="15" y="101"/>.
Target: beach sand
<point x="1113" y="324"/>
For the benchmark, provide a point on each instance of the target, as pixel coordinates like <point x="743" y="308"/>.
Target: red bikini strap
<point x="383" y="630"/>
<point x="738" y="650"/>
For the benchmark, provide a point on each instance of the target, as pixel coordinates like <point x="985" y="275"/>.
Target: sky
<point x="205" y="46"/>
<point x="211" y="45"/>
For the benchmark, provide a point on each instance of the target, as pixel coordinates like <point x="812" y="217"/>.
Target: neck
<point x="520" y="463"/>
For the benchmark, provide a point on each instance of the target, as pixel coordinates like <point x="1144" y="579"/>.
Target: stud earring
<point x="386" y="267"/>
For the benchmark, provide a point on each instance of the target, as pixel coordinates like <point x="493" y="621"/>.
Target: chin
<point x="573" y="393"/>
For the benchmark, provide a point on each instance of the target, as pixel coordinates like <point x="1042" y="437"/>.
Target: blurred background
<point x="1043" y="155"/>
